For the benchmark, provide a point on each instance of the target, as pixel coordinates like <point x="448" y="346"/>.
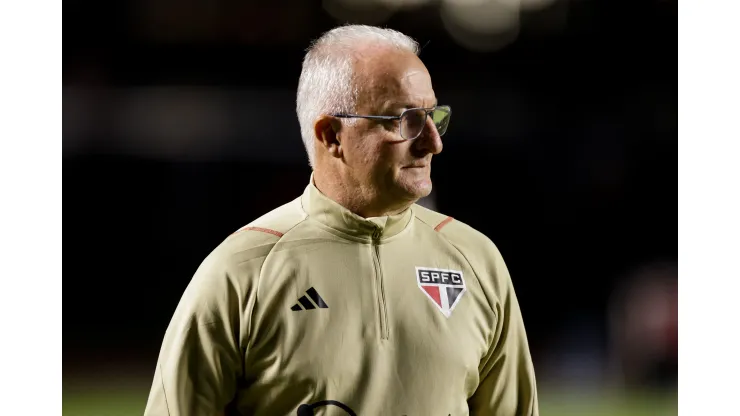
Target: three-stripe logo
<point x="303" y="300"/>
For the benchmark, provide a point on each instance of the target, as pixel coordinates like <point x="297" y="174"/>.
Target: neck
<point x="354" y="195"/>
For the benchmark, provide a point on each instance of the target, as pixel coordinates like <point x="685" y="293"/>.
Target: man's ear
<point x="327" y="130"/>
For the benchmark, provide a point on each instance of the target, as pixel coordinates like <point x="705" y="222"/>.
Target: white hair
<point x="327" y="82"/>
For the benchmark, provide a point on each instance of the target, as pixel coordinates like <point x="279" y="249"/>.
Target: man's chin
<point x="417" y="189"/>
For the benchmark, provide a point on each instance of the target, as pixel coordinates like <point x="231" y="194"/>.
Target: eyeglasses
<point x="413" y="120"/>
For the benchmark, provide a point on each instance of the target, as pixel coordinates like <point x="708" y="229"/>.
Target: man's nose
<point x="429" y="141"/>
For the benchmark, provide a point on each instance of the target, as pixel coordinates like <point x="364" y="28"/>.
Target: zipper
<point x="382" y="310"/>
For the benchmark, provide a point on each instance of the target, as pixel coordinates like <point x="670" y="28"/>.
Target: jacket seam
<point x="259" y="281"/>
<point x="164" y="390"/>
<point x="490" y="305"/>
<point x="475" y="273"/>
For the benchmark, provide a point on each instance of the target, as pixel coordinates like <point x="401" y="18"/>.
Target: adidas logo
<point x="314" y="295"/>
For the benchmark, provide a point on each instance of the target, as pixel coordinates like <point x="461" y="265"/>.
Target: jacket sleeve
<point x="507" y="384"/>
<point x="201" y="356"/>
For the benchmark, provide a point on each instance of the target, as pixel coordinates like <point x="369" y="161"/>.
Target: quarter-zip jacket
<point x="314" y="309"/>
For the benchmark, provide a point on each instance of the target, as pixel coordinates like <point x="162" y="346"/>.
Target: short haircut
<point x="327" y="83"/>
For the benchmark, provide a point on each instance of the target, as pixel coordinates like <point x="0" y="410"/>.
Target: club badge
<point x="444" y="287"/>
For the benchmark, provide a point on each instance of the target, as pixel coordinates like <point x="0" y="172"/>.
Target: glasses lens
<point x="412" y="123"/>
<point x="441" y="118"/>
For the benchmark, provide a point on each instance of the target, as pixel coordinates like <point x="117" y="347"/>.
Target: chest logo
<point x="444" y="287"/>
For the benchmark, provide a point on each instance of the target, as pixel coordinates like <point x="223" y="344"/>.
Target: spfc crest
<point x="444" y="287"/>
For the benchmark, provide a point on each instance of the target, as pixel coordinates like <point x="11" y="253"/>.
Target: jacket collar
<point x="335" y="216"/>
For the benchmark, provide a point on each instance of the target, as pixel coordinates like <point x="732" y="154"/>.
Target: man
<point x="352" y="299"/>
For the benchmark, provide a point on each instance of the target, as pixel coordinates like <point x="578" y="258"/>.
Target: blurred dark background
<point x="180" y="127"/>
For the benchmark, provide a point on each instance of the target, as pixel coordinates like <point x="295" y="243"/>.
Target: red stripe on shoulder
<point x="264" y="230"/>
<point x="443" y="223"/>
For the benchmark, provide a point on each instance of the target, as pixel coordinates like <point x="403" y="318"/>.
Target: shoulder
<point x="478" y="250"/>
<point x="240" y="255"/>
<point x="466" y="238"/>
<point x="278" y="221"/>
<point x="231" y="271"/>
<point x="265" y="231"/>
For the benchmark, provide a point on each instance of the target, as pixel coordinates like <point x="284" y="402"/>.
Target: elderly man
<point x="352" y="299"/>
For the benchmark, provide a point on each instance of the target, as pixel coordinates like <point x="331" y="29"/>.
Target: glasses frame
<point x="428" y="112"/>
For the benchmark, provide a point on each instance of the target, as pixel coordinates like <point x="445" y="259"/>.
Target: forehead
<point x="392" y="78"/>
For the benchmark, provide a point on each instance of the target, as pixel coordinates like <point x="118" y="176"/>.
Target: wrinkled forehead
<point x="391" y="79"/>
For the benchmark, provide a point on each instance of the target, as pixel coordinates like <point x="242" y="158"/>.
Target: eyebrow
<point x="402" y="104"/>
